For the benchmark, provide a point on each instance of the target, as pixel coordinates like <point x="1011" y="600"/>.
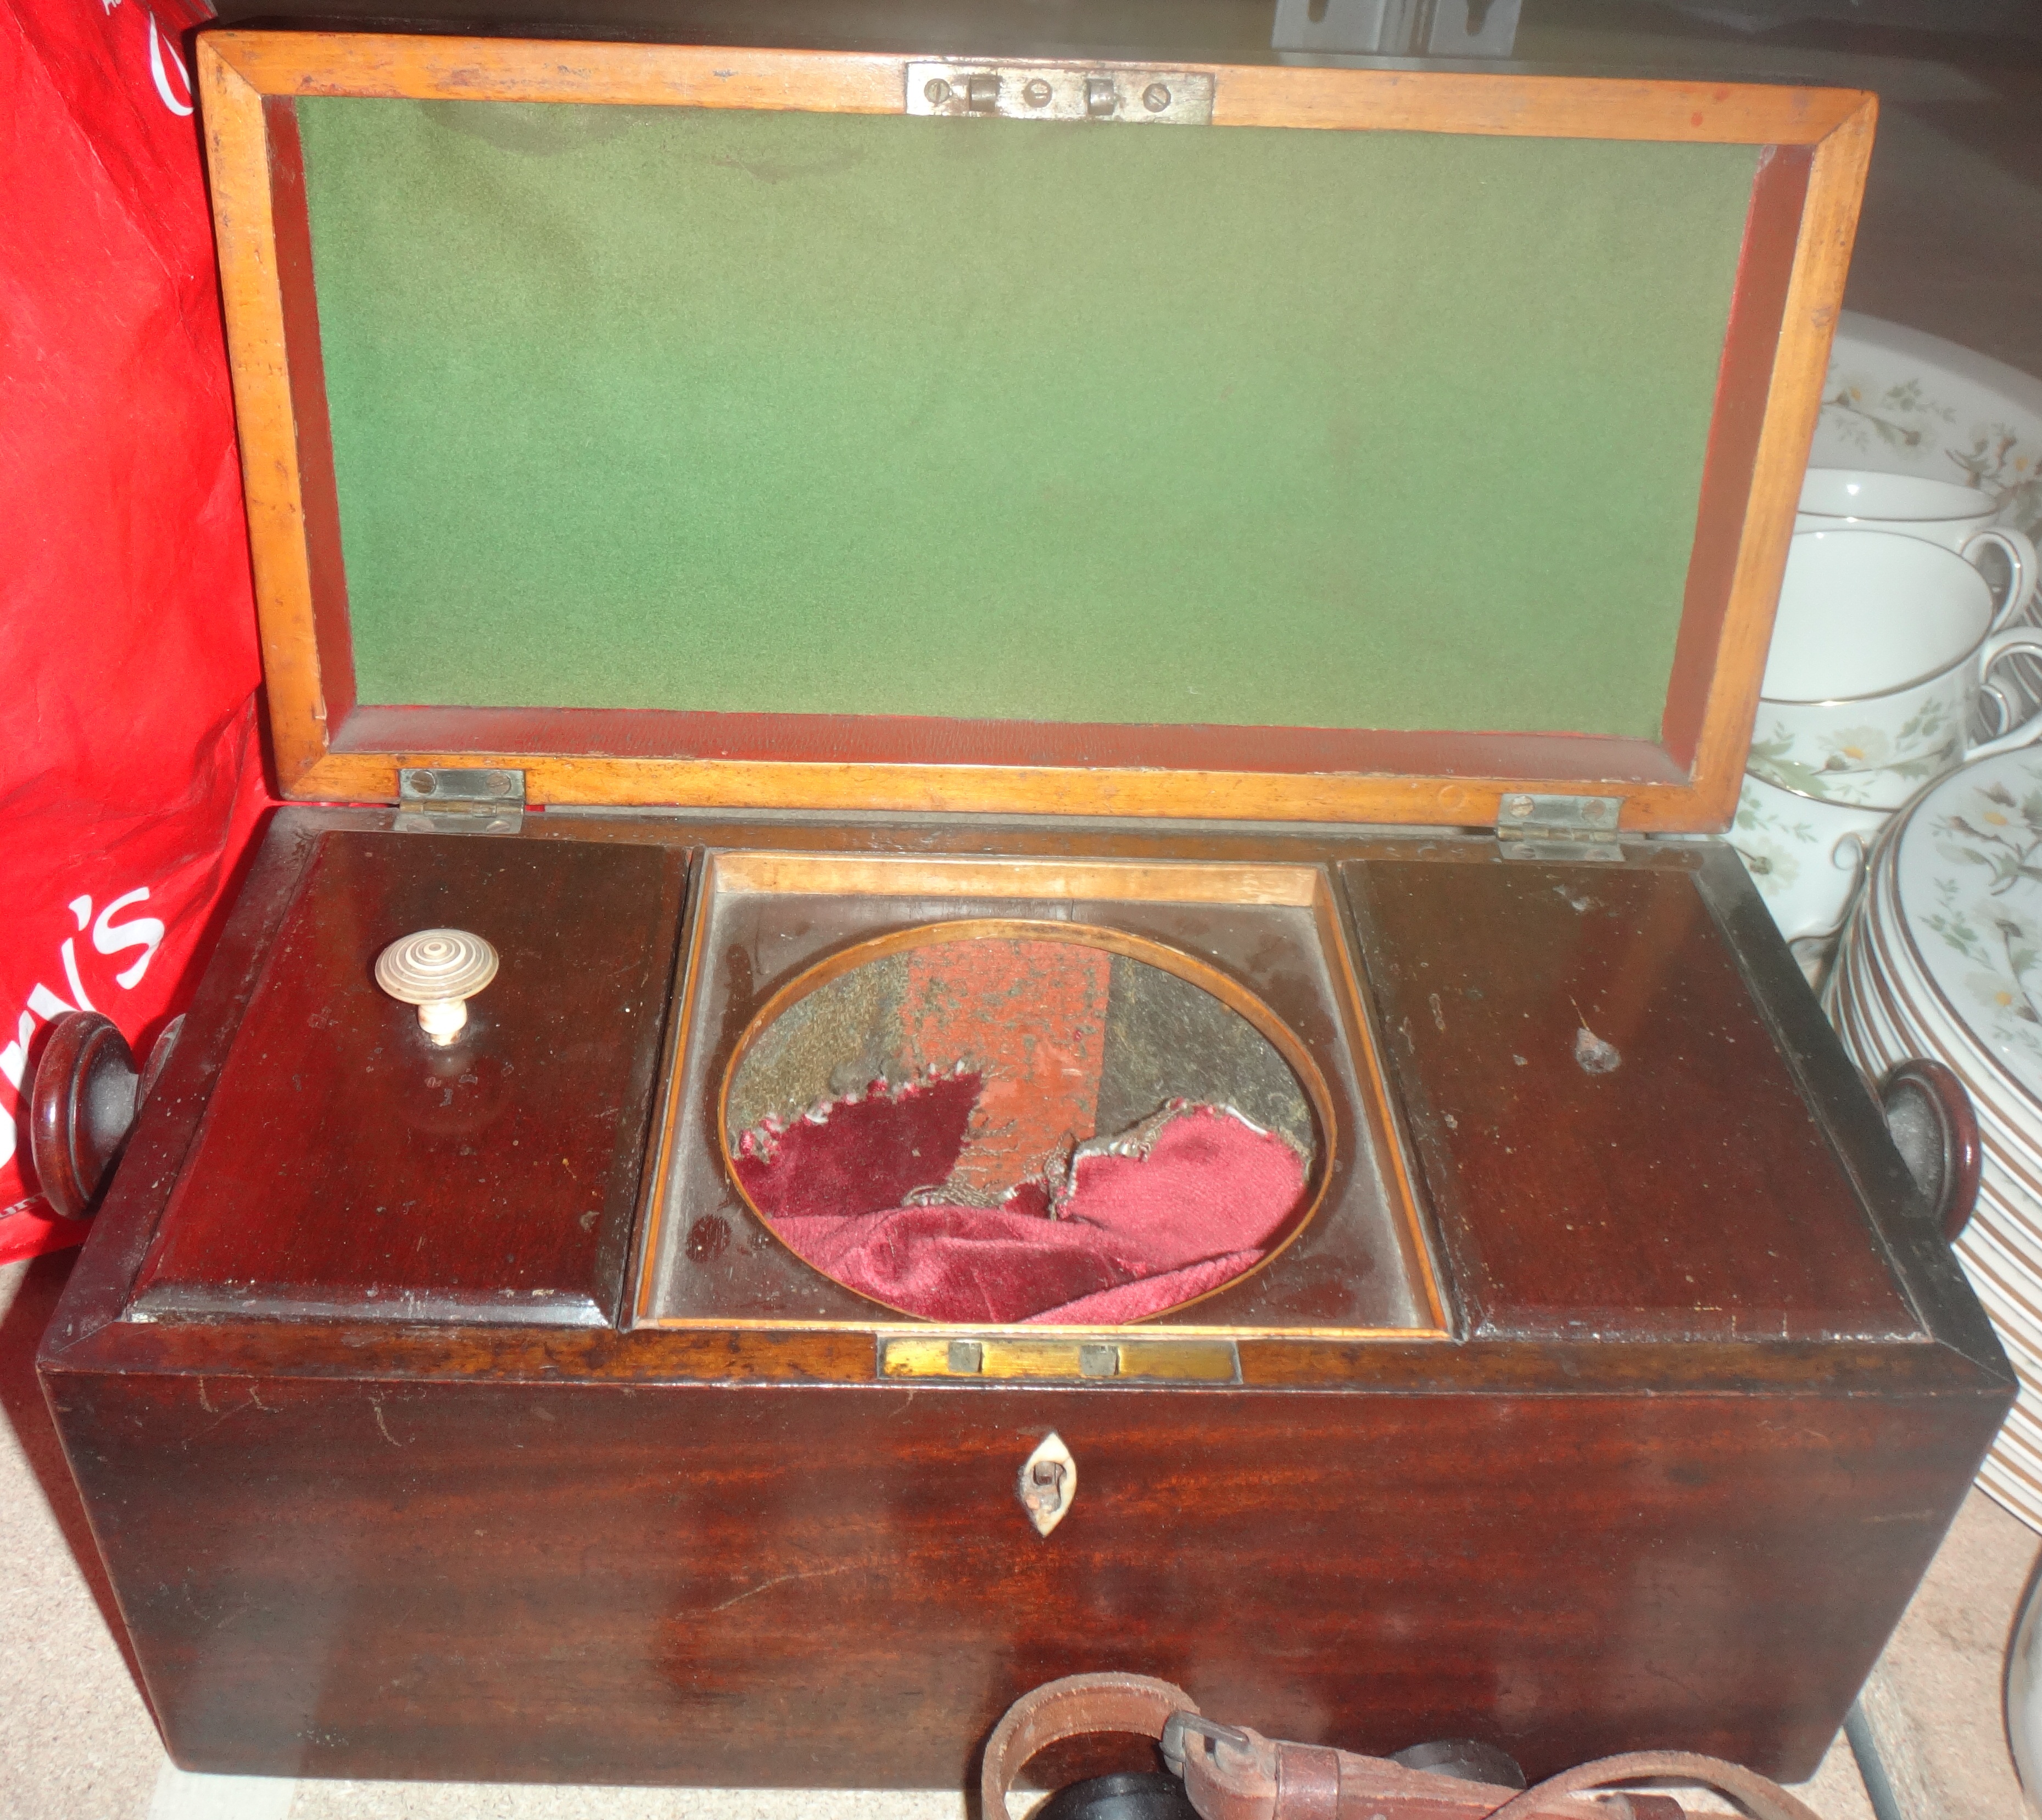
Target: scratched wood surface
<point x="417" y="1547"/>
<point x="813" y="1586"/>
<point x="500" y="1171"/>
<point x="1613" y="1142"/>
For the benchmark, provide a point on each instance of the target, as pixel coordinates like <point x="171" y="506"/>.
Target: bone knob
<point x="439" y="970"/>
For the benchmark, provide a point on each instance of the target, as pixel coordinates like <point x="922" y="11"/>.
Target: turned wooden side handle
<point x="83" y="1104"/>
<point x="1935" y="1130"/>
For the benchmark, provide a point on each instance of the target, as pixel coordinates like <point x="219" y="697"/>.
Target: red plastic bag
<point x="130" y="771"/>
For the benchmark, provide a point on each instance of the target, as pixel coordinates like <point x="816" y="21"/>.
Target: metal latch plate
<point x="1075" y="1359"/>
<point x="1041" y="91"/>
<point x="1558" y="827"/>
<point x="460" y="801"/>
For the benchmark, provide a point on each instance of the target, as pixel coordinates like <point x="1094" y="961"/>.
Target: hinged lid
<point x="765" y="429"/>
<point x="1559" y="827"/>
<point x="460" y="800"/>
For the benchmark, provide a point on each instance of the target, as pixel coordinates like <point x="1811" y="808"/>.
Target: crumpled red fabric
<point x="871" y="1151"/>
<point x="130" y="777"/>
<point x="1139" y="1234"/>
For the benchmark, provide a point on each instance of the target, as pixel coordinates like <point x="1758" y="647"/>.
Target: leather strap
<point x="1072" y="1707"/>
<point x="1308" y="1782"/>
<point x="1765" y="1797"/>
<point x="1246" y="1777"/>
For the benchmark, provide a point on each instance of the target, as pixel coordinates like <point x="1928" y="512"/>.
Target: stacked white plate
<point x="1944" y="959"/>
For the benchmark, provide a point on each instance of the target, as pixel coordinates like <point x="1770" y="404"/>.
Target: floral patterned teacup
<point x="1876" y="751"/>
<point x="1806" y="858"/>
<point x="1959" y="519"/>
<point x="1880" y="653"/>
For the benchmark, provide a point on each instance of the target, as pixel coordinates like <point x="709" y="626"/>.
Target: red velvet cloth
<point x="868" y="1153"/>
<point x="1139" y="1234"/>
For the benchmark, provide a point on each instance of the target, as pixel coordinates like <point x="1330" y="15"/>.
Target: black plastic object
<point x="1465" y="1759"/>
<point x="1130" y="1795"/>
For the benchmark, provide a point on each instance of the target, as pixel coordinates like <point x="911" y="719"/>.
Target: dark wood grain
<point x="500" y="1173"/>
<point x="426" y="1351"/>
<point x="1830" y="1082"/>
<point x="818" y="1587"/>
<point x="103" y="1278"/>
<point x="407" y="1543"/>
<point x="1688" y="1191"/>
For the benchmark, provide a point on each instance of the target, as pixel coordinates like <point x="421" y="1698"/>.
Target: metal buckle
<point x="1181" y="1725"/>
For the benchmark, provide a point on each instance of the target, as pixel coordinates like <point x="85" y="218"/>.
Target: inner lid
<point x="747" y="412"/>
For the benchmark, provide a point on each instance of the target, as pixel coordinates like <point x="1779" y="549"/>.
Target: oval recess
<point x="890" y="1037"/>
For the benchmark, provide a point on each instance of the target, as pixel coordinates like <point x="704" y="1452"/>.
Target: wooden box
<point x="716" y="510"/>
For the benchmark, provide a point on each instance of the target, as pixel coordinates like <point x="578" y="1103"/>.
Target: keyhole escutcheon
<point x="1048" y="1483"/>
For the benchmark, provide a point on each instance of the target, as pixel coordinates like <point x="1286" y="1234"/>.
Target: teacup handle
<point x="1856" y="862"/>
<point x="1997" y="648"/>
<point x="2020" y="554"/>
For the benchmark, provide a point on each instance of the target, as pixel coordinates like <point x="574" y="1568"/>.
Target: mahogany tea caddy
<point x="440" y="1407"/>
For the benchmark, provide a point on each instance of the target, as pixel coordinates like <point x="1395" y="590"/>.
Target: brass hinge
<point x="1037" y="91"/>
<point x="1559" y="827"/>
<point x="452" y="800"/>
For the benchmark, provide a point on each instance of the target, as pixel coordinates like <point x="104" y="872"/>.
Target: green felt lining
<point x="804" y="413"/>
